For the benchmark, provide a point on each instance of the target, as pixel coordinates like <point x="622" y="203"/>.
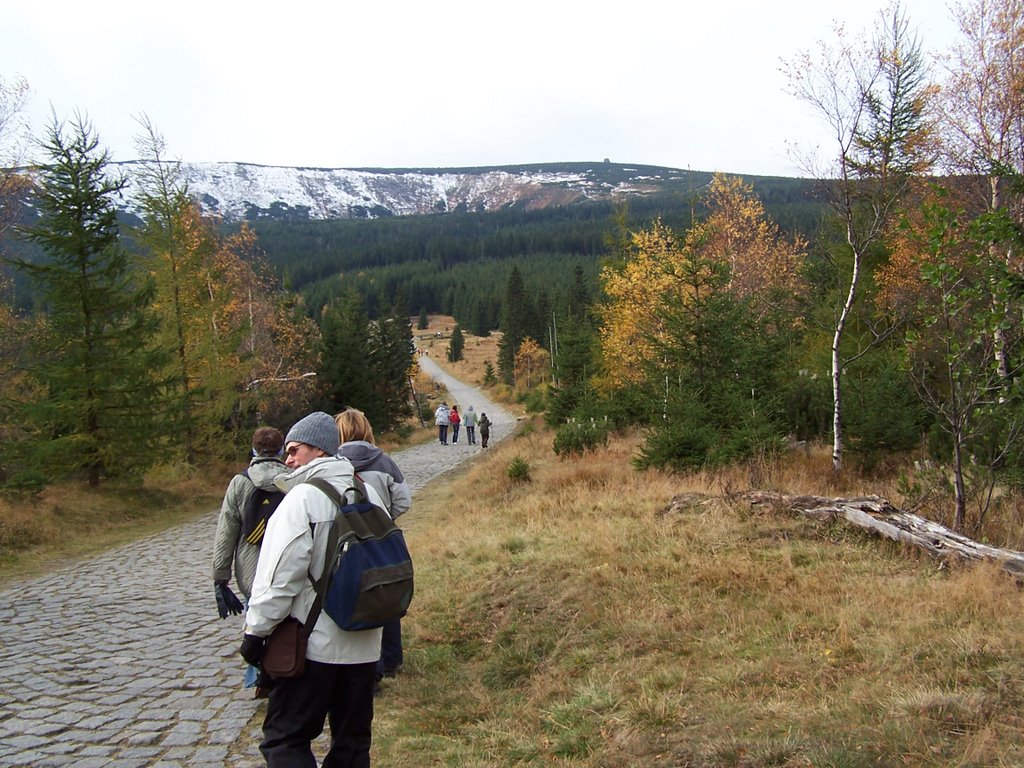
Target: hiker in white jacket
<point x="441" y="418"/>
<point x="341" y="666"/>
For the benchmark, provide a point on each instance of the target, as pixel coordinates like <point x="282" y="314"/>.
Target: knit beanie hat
<point x="317" y="429"/>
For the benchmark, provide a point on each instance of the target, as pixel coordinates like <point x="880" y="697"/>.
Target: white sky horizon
<point x="398" y="84"/>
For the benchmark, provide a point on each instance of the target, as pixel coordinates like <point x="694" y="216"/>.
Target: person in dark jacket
<point x="485" y="429"/>
<point x="379" y="471"/>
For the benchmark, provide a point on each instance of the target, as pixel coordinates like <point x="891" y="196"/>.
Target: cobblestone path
<point x="120" y="661"/>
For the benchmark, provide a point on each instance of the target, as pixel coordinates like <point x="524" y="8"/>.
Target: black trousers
<point x="391" y="655"/>
<point x="297" y="708"/>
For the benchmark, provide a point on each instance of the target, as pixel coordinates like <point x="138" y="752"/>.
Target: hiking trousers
<point x="298" y="707"/>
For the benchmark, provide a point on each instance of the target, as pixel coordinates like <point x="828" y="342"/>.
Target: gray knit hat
<point x="319" y="430"/>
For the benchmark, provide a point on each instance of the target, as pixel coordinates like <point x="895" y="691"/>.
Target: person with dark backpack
<point x="249" y="501"/>
<point x="337" y="677"/>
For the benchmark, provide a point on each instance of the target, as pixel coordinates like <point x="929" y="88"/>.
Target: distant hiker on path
<point x="441" y="419"/>
<point x="469" y="422"/>
<point x="455" y="420"/>
<point x="485" y="430"/>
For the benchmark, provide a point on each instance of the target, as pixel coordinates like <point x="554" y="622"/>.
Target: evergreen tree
<point x="481" y="324"/>
<point x="103" y="411"/>
<point x="345" y="368"/>
<point x="578" y="299"/>
<point x="455" y="345"/>
<point x="574" y="365"/>
<point x="490" y="379"/>
<point x="541" y="320"/>
<point x="712" y="371"/>
<point x="423" y="322"/>
<point x="515" y="326"/>
<point x="391" y="358"/>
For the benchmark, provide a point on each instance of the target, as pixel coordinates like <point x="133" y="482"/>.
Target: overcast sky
<point x="398" y="83"/>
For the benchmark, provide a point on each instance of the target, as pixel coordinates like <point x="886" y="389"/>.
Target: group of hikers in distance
<point x="449" y="418"/>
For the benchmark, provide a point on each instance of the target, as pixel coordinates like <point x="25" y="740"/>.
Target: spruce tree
<point x="455" y="345"/>
<point x="391" y="357"/>
<point x="103" y="411"/>
<point x="516" y="324"/>
<point x="481" y="323"/>
<point x="345" y="367"/>
<point x="574" y="365"/>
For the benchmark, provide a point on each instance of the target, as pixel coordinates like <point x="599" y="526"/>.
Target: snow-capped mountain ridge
<point x="239" y="191"/>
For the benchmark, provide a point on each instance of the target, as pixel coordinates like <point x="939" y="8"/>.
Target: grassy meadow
<point x="590" y="615"/>
<point x="579" y="619"/>
<point x="595" y="616"/>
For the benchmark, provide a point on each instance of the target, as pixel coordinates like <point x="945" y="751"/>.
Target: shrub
<point x="577" y="437"/>
<point x="518" y="470"/>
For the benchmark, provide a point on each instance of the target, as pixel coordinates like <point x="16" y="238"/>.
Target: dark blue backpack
<point x="371" y="580"/>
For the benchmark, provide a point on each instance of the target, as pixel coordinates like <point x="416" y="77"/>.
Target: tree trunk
<point x="837" y="360"/>
<point x="877" y="515"/>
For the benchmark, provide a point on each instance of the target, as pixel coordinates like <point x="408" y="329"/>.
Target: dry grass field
<point x="572" y="620"/>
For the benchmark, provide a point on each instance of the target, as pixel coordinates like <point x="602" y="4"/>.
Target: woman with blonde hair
<point x="379" y="471"/>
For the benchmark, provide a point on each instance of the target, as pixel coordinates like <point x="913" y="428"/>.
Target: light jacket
<point x="379" y="470"/>
<point x="441" y="416"/>
<point x="293" y="554"/>
<point x="469" y="418"/>
<point x="228" y="545"/>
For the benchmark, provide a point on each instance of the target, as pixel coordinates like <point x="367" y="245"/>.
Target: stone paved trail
<point x="120" y="661"/>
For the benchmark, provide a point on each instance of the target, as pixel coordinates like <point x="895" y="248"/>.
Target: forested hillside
<point x="455" y="263"/>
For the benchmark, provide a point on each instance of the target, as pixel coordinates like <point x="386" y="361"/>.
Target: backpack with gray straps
<point x="371" y="580"/>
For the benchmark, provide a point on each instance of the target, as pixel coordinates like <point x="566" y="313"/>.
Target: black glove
<point x="226" y="600"/>
<point x="252" y="649"/>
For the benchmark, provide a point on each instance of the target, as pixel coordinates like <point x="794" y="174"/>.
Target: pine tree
<point x="516" y="324"/>
<point x="481" y="324"/>
<point x="345" y="368"/>
<point x="490" y="379"/>
<point x="713" y="369"/>
<point x="391" y="357"/>
<point x="103" y="410"/>
<point x="575" y="366"/>
<point x="455" y="345"/>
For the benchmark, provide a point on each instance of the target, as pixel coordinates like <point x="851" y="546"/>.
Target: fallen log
<point x="878" y="516"/>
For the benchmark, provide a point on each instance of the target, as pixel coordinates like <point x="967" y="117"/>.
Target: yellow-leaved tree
<point x="763" y="267"/>
<point x="531" y="363"/>
<point x="634" y="291"/>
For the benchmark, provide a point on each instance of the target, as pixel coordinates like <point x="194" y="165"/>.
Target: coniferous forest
<point x="874" y="305"/>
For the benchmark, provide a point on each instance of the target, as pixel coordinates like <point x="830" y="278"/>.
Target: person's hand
<point x="226" y="600"/>
<point x="252" y="649"/>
